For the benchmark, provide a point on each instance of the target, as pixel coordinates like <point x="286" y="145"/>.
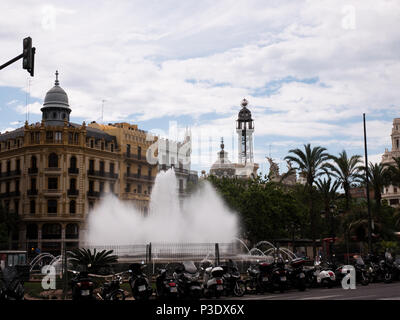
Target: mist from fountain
<point x="199" y="218"/>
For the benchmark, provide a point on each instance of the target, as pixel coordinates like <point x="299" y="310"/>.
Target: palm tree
<point x="346" y="170"/>
<point x="393" y="171"/>
<point x="378" y="179"/>
<point x="93" y="262"/>
<point x="311" y="162"/>
<point x="328" y="189"/>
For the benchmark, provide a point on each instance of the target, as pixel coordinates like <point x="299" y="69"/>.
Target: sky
<point x="309" y="69"/>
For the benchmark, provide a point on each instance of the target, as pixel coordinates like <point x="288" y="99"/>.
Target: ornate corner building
<point x="392" y="193"/>
<point x="53" y="172"/>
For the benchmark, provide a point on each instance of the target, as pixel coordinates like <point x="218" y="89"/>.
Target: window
<point x="128" y="187"/>
<point x="395" y="190"/>
<point x="72" y="184"/>
<point x="32" y="207"/>
<point x="112" y="147"/>
<point x="49" y="136"/>
<point x="17" y="185"/>
<point x="16" y="206"/>
<point x="91" y="186"/>
<point x="33" y="162"/>
<point x="139" y="187"/>
<point x="91" y="165"/>
<point x="18" y="165"/>
<point x="53" y="183"/>
<point x="111" y="167"/>
<point x="72" y="162"/>
<point x="72" y="207"/>
<point x="149" y="172"/>
<point x="54" y="115"/>
<point x="32" y="137"/>
<point x="139" y="152"/>
<point x="180" y="185"/>
<point x="91" y="143"/>
<point x="53" y="160"/>
<point x="139" y="171"/>
<point x="8" y="187"/>
<point x="149" y="189"/>
<point x="76" y="138"/>
<point x="128" y="150"/>
<point x="112" y="187"/>
<point x="101" y="186"/>
<point x="33" y="184"/>
<point x="37" y="137"/>
<point x="128" y="171"/>
<point x="58" y="136"/>
<point x="102" y="145"/>
<point x="8" y="166"/>
<point x="91" y="205"/>
<point x="102" y="166"/>
<point x="52" y="206"/>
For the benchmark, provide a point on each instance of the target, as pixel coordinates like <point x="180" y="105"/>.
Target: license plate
<point x="283" y="278"/>
<point x="85" y="292"/>
<point x="302" y="275"/>
<point x="174" y="289"/>
<point x="219" y="287"/>
<point x="142" y="288"/>
<point x="265" y="279"/>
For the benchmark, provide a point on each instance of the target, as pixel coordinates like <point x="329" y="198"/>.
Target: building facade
<point x="53" y="172"/>
<point x="392" y="193"/>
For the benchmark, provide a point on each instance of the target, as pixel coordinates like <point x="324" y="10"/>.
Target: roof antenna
<point x="56" y="82"/>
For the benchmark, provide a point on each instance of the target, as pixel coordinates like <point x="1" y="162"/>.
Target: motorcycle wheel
<point x="302" y="286"/>
<point x="239" y="288"/>
<point x="388" y="277"/>
<point x="328" y="283"/>
<point x="249" y="286"/>
<point x="364" y="280"/>
<point x="118" y="295"/>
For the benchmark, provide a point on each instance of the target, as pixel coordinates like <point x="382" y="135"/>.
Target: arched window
<point x="53" y="160"/>
<point x="72" y="207"/>
<point x="72" y="163"/>
<point x="33" y="162"/>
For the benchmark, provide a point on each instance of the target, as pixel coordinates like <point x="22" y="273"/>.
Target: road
<point x="374" y="291"/>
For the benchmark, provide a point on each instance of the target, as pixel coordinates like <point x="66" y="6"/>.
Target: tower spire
<point x="56" y="82"/>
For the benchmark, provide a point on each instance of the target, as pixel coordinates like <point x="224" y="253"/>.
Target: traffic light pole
<point x="12" y="61"/>
<point x="367" y="188"/>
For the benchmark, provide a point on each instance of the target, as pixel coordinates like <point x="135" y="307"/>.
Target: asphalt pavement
<point x="374" y="291"/>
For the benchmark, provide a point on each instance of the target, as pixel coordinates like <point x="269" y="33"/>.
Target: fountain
<point x="201" y="218"/>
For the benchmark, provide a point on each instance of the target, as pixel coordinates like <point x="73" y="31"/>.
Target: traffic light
<point x="28" y="58"/>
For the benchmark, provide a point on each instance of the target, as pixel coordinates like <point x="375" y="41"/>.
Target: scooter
<point x="82" y="286"/>
<point x="213" y="283"/>
<point x="233" y="283"/>
<point x="139" y="283"/>
<point x="166" y="287"/>
<point x="320" y="276"/>
<point x="186" y="276"/>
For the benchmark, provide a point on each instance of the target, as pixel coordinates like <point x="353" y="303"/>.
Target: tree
<point x="378" y="178"/>
<point x="346" y="170"/>
<point x="92" y="262"/>
<point x="311" y="162"/>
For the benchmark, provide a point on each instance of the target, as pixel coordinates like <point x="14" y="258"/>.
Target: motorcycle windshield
<point x="190" y="267"/>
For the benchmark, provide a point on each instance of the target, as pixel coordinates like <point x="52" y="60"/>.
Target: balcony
<point x="93" y="194"/>
<point x="33" y="170"/>
<point x="52" y="169"/>
<point x="10" y="174"/>
<point x="135" y="176"/>
<point x="73" y="170"/>
<point x="136" y="157"/>
<point x="52" y="192"/>
<point x="102" y="174"/>
<point x="73" y="192"/>
<point x="10" y="194"/>
<point x="32" y="192"/>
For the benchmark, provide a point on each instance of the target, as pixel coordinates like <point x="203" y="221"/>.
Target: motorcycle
<point x="279" y="276"/>
<point x="12" y="287"/>
<point x="388" y="268"/>
<point x="320" y="276"/>
<point x="361" y="271"/>
<point x="260" y="276"/>
<point x="296" y="275"/>
<point x="82" y="286"/>
<point x="166" y="287"/>
<point x="139" y="283"/>
<point x="233" y="283"/>
<point x="186" y="276"/>
<point x="111" y="290"/>
<point x="213" y="283"/>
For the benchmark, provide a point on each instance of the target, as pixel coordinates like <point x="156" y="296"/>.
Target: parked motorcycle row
<point x="273" y="274"/>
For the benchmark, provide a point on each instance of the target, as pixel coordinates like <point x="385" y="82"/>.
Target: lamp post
<point x="332" y="209"/>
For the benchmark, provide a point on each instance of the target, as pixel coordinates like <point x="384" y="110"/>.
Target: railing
<point x="103" y="174"/>
<point x="73" y="192"/>
<point x="95" y="194"/>
<point x="52" y="169"/>
<point x="32" y="192"/>
<point x="135" y="156"/>
<point x="33" y="170"/>
<point x="10" y="173"/>
<point x="10" y="194"/>
<point x="138" y="176"/>
<point x="73" y="170"/>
